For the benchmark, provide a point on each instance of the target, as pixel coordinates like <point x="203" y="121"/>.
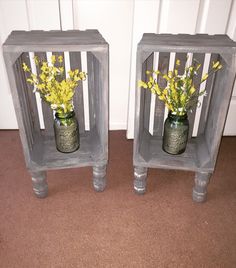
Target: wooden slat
<point x="92" y="87"/>
<point x="60" y="64"/>
<point x="183" y="58"/>
<point x="97" y="92"/>
<point x="31" y="97"/>
<point x="61" y="39"/>
<point x="75" y="63"/>
<point x="199" y="57"/>
<point x="18" y="70"/>
<point x="163" y="66"/>
<point x="47" y="111"/>
<point x="206" y="100"/>
<point x="221" y="95"/>
<point x="26" y="105"/>
<point x="148" y="94"/>
<point x="142" y="101"/>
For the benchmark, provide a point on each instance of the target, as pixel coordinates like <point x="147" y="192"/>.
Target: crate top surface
<point x="20" y="39"/>
<point x="178" y="41"/>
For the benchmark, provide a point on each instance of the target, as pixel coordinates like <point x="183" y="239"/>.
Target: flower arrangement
<point x="180" y="94"/>
<point x="50" y="83"/>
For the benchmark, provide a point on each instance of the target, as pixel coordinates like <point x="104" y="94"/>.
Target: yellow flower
<point x="60" y="59"/>
<point x="192" y="90"/>
<point x="177" y="62"/>
<point x="57" y="93"/>
<point x="53" y="59"/>
<point x="161" y="97"/>
<point x="204" y="78"/>
<point x="166" y="77"/>
<point x="179" y="94"/>
<point x="36" y="60"/>
<point x="215" y="64"/>
<point x="170" y="74"/>
<point x="25" y="67"/>
<point x="164" y="92"/>
<point x="157" y="89"/>
<point x="142" y="84"/>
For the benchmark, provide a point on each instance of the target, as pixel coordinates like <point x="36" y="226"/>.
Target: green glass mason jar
<point x="66" y="131"/>
<point x="175" y="135"/>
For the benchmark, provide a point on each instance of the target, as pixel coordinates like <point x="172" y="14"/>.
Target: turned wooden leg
<point x="140" y="179"/>
<point x="99" y="178"/>
<point x="40" y="185"/>
<point x="200" y="188"/>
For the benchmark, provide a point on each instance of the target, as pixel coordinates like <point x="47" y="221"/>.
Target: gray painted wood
<point x="140" y="180"/>
<point x="200" y="189"/>
<point x="199" y="57"/>
<point x="46" y="109"/>
<point x="99" y="178"/>
<point x="147" y="94"/>
<point x="206" y="100"/>
<point x="218" y="109"/>
<point x="26" y="116"/>
<point x="31" y="97"/>
<point x="91" y="87"/>
<point x="15" y="85"/>
<point x="201" y="152"/>
<point x="183" y="58"/>
<point x="163" y="67"/>
<point x="40" y="185"/>
<point x="75" y="63"/>
<point x="38" y="145"/>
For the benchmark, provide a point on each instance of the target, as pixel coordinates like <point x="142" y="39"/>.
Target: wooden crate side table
<point x="39" y="144"/>
<point x="201" y="153"/>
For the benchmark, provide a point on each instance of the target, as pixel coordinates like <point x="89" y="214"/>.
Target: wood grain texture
<point x="147" y="94"/>
<point x="75" y="63"/>
<point x="199" y="57"/>
<point x="46" y="109"/>
<point x="163" y="67"/>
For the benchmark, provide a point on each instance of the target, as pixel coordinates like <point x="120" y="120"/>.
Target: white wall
<point x="122" y="23"/>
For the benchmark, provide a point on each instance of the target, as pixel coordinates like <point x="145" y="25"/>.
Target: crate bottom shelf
<point x="151" y="155"/>
<point x="45" y="156"/>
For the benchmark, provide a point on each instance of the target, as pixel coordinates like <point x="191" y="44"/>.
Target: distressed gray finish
<point x="39" y="144"/>
<point x="201" y="152"/>
<point x="200" y="189"/>
<point x="140" y="179"/>
<point x="99" y="178"/>
<point x="39" y="181"/>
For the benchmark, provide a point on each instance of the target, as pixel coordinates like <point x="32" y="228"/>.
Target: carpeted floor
<point x="77" y="227"/>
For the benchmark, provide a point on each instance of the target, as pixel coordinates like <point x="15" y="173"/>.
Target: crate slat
<point x="199" y="57"/>
<point x="75" y="63"/>
<point x="46" y="109"/>
<point x="163" y="67"/>
<point x="26" y="113"/>
<point x="206" y="100"/>
<point x="148" y="94"/>
<point x="91" y="87"/>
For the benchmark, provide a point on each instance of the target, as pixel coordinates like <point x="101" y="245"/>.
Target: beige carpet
<point x="77" y="227"/>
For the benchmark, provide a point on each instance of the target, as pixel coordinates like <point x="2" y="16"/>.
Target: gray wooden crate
<point x="39" y="144"/>
<point x="202" y="150"/>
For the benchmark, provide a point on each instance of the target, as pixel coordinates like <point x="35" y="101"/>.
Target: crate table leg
<point x="40" y="185"/>
<point x="140" y="179"/>
<point x="200" y="188"/>
<point x="99" y="178"/>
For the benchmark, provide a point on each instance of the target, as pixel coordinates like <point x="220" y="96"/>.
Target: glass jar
<point x="175" y="135"/>
<point x="66" y="131"/>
